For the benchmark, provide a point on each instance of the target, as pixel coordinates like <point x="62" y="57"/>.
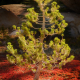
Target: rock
<point x="72" y="4"/>
<point x="7" y="18"/>
<point x="19" y="10"/>
<point x="13" y="34"/>
<point x="11" y="17"/>
<point x="73" y="20"/>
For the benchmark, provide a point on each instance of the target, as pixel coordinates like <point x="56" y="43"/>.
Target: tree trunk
<point x="38" y="71"/>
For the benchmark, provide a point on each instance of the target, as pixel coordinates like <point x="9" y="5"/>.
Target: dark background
<point x="4" y="2"/>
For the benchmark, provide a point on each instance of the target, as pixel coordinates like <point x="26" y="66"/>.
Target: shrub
<point x="34" y="49"/>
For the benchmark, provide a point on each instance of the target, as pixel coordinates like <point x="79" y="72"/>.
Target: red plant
<point x="71" y="71"/>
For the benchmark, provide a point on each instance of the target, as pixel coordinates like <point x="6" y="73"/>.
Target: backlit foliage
<point x="34" y="49"/>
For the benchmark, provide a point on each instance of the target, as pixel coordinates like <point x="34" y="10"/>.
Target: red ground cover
<point x="71" y="71"/>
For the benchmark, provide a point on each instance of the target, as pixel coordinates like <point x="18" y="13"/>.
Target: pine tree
<point x="34" y="49"/>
